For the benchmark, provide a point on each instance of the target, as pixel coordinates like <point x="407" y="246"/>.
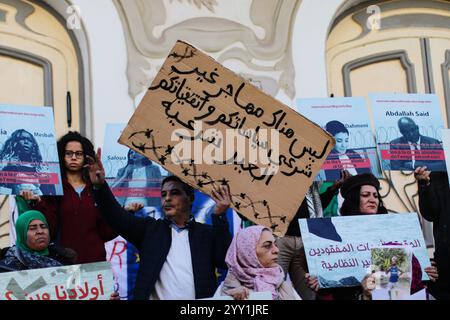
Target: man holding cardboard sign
<point x="178" y="256"/>
<point x="213" y="130"/>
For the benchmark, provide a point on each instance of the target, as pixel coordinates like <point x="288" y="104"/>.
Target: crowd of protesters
<point x="179" y="256"/>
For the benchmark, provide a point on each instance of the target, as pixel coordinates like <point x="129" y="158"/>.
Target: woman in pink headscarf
<point x="252" y="262"/>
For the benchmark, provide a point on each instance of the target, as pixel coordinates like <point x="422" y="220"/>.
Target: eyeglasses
<point x="70" y="153"/>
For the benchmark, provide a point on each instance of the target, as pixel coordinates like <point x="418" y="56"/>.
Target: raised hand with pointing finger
<point x="96" y="170"/>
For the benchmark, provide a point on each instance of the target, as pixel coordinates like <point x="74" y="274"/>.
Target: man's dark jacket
<point x="434" y="204"/>
<point x="153" y="238"/>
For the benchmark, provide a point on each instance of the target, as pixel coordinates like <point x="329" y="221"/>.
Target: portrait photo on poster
<point x="408" y="131"/>
<point x="392" y="269"/>
<point x="347" y="120"/>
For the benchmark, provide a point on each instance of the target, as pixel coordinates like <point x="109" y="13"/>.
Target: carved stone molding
<point x="400" y="55"/>
<point x="263" y="43"/>
<point x="2" y="16"/>
<point x="209" y="4"/>
<point x="21" y="12"/>
<point x="397" y="20"/>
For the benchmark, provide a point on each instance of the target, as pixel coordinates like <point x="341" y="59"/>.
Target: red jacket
<point x="78" y="222"/>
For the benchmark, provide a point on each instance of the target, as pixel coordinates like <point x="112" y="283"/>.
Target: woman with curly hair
<point x="74" y="218"/>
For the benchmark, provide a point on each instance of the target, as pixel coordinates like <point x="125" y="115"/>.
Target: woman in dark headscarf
<point x="361" y="195"/>
<point x="33" y="249"/>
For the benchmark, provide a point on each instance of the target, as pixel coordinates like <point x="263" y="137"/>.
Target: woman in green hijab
<point x="33" y="249"/>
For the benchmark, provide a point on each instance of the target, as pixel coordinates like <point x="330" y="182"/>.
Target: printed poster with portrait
<point x="28" y="151"/>
<point x="392" y="271"/>
<point x="409" y="131"/>
<point x="347" y="120"/>
<point x="338" y="249"/>
<point x="133" y="178"/>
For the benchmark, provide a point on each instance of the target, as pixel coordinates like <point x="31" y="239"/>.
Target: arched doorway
<point x="40" y="66"/>
<point x="392" y="46"/>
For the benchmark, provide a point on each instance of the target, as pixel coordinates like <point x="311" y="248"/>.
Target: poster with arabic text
<point x="338" y="249"/>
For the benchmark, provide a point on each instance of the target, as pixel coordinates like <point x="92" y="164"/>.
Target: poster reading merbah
<point x="210" y="127"/>
<point x="408" y="128"/>
<point x="338" y="249"/>
<point x="92" y="281"/>
<point x="347" y="120"/>
<point x="28" y="151"/>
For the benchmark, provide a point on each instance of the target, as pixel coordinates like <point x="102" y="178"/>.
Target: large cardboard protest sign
<point x="186" y="122"/>
<point x="392" y="271"/>
<point x="28" y="152"/>
<point x="92" y="281"/>
<point x="338" y="249"/>
<point x="408" y="128"/>
<point x="210" y="127"/>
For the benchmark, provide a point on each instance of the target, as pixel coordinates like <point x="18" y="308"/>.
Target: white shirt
<point x="176" y="279"/>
